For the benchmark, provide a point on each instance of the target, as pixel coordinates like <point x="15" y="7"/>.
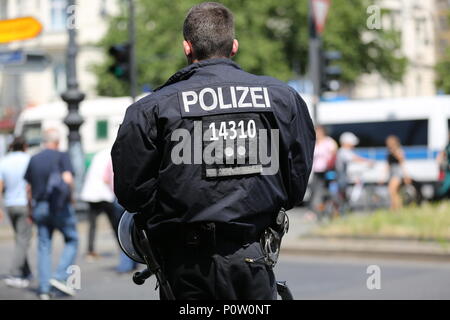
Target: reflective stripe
<point x="235" y="171"/>
<point x="411" y="153"/>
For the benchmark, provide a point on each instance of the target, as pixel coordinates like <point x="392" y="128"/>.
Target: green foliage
<point x="363" y="50"/>
<point x="273" y="37"/>
<point x="442" y="67"/>
<point x="443" y="75"/>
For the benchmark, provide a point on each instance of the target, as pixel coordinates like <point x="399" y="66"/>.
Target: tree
<point x="273" y="37"/>
<point x="443" y="76"/>
<point x="442" y="67"/>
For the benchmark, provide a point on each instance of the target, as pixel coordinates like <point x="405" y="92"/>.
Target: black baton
<point x="152" y="267"/>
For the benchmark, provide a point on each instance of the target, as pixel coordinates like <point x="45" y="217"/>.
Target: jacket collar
<point x="188" y="71"/>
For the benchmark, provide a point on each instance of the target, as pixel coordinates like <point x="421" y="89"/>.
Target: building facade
<point x="416" y="20"/>
<point x="22" y="89"/>
<point x="442" y="28"/>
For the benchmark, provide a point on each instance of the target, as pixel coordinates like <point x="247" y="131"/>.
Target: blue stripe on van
<point x="411" y="153"/>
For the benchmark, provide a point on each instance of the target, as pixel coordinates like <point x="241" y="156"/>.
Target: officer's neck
<point x="195" y="60"/>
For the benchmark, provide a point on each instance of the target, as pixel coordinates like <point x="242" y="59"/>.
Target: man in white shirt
<point x="99" y="196"/>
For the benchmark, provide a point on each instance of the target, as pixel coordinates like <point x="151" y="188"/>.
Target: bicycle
<point x="366" y="196"/>
<point x="360" y="196"/>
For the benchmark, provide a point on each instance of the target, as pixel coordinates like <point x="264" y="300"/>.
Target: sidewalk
<point x="298" y="242"/>
<point x="399" y="249"/>
<point x="99" y="279"/>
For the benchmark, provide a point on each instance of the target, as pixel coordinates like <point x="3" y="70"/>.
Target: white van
<point x="421" y="123"/>
<point x="102" y="118"/>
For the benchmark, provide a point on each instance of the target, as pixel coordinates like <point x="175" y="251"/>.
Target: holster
<point x="271" y="238"/>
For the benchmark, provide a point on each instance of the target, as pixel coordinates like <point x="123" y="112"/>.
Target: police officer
<point x="209" y="159"/>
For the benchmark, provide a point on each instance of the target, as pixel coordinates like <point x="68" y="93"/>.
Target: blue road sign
<point x="23" y="61"/>
<point x="12" y="57"/>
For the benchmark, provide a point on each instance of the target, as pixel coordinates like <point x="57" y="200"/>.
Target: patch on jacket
<point x="224" y="99"/>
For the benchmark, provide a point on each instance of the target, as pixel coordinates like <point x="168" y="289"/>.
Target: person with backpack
<point x="50" y="181"/>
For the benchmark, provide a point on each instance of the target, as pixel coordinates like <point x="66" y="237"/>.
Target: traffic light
<point x="330" y="72"/>
<point x="121" y="66"/>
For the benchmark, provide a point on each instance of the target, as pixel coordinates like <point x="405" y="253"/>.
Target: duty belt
<point x="209" y="237"/>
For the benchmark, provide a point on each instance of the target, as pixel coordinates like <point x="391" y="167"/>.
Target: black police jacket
<point x="214" y="144"/>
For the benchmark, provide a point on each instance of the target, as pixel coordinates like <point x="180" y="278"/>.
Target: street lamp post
<point x="132" y="41"/>
<point x="315" y="44"/>
<point x="73" y="96"/>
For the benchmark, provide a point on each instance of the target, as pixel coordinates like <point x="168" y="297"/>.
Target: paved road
<point x="346" y="278"/>
<point x="308" y="277"/>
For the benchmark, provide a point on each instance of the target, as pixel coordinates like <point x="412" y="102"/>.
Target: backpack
<point x="58" y="192"/>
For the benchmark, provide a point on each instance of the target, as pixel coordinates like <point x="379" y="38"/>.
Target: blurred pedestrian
<point x="12" y="170"/>
<point x="50" y="177"/>
<point x="324" y="160"/>
<point x="99" y="196"/>
<point x="396" y="170"/>
<point x="344" y="157"/>
<point x="125" y="263"/>
<point x="443" y="160"/>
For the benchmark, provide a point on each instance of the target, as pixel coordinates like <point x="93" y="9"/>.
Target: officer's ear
<point x="187" y="47"/>
<point x="235" y="48"/>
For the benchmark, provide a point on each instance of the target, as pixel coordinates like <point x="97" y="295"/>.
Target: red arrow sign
<point x="320" y="12"/>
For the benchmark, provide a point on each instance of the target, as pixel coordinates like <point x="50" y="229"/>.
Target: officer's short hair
<point x="209" y="26"/>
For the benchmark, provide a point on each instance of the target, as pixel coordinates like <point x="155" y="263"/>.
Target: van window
<point x="32" y="132"/>
<point x="374" y="134"/>
<point x="102" y="130"/>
